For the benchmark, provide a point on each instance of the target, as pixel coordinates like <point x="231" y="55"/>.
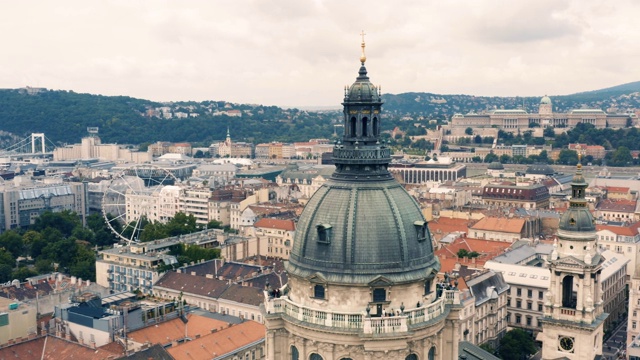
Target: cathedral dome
<point x="362" y="224"/>
<point x="352" y="232"/>
<point x="545" y="100"/>
<point x="577" y="219"/>
<point x="362" y="90"/>
<point x="496" y="165"/>
<point x="540" y="169"/>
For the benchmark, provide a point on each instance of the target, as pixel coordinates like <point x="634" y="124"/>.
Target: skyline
<point x="292" y="53"/>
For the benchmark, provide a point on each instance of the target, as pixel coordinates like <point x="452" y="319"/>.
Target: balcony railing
<point x="360" y="322"/>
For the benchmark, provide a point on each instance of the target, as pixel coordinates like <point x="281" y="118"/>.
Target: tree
<point x="214" y="224"/>
<point x="568" y="157"/>
<point x="491" y="157"/>
<point x="468" y="131"/>
<point x="621" y="157"/>
<point x="516" y="345"/>
<point x="462" y="253"/>
<point x="477" y="139"/>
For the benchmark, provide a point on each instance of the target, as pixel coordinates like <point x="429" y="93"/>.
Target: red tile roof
<point x="172" y="330"/>
<point x="287" y="225"/>
<point x="627" y="206"/>
<point x="219" y="343"/>
<point x="500" y="224"/>
<point x="488" y="250"/>
<point x="629" y="230"/>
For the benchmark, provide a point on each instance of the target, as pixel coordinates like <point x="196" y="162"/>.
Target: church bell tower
<point x="573" y="312"/>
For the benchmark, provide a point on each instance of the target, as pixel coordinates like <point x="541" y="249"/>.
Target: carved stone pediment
<point x="569" y="261"/>
<point x="380" y="281"/>
<point x="317" y="278"/>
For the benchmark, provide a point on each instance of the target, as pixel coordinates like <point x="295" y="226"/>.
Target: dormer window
<point x="421" y="230"/>
<point x="572" y="221"/>
<point x="324" y="233"/>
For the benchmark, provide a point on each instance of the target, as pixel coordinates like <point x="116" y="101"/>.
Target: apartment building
<point x="23" y="200"/>
<point x="139" y="265"/>
<point x="528" y="285"/>
<point x="276" y="236"/>
<point x="489" y="291"/>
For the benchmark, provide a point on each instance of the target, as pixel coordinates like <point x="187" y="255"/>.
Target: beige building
<point x="574" y="307"/>
<point x="92" y="148"/>
<point x="17" y="320"/>
<point x="624" y="240"/>
<point x="22" y="202"/>
<point x="490" y="307"/>
<point x="517" y="120"/>
<point x="276" y="236"/>
<point x="498" y="229"/>
<point x="139" y="265"/>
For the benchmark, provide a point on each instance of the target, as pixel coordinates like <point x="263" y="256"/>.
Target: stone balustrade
<point x="360" y="322"/>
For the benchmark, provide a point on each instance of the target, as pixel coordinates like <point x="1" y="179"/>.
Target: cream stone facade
<point x="517" y="120"/>
<point x="362" y="269"/>
<point x="573" y="321"/>
<point x="92" y="147"/>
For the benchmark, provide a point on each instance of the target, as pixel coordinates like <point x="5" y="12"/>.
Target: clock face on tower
<point x="566" y="343"/>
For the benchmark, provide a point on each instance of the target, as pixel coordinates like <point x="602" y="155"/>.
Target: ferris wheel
<point x="137" y="195"/>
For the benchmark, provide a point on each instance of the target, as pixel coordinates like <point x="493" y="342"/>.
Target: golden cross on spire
<point x="363" y="58"/>
<point x="579" y="151"/>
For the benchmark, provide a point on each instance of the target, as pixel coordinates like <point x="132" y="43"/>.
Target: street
<point x="616" y="345"/>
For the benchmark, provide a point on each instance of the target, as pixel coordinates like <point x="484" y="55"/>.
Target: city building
<point x="362" y="269"/>
<point x="17" y="320"/>
<point x="421" y="172"/>
<point x="489" y="292"/>
<point x="517" y="120"/>
<point x="22" y="200"/>
<point x="624" y="239"/>
<point x="276" y="236"/>
<point x="534" y="196"/>
<point x="139" y="265"/>
<point x="498" y="229"/>
<point x="92" y="148"/>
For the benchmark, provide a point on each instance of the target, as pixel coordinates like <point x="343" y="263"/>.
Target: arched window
<point x="375" y="126"/>
<point x="294" y="353"/>
<point x="411" y="357"/>
<point x="568" y="299"/>
<point x="432" y="353"/>
<point x="353" y="126"/>
<point x="346" y="359"/>
<point x="315" y="356"/>
<point x="364" y="126"/>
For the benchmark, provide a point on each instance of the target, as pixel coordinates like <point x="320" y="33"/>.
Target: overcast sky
<point x="302" y="53"/>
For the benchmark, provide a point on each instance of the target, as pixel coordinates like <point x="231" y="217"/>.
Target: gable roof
<point x="628" y="230"/>
<point x="287" y="225"/>
<point x="53" y="348"/>
<point x="198" y="285"/>
<point x="627" y="206"/>
<point x="174" y="329"/>
<point x="500" y="225"/>
<point x="221" y="342"/>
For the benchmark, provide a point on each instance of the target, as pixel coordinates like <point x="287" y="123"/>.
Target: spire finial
<point x="363" y="58"/>
<point x="579" y="151"/>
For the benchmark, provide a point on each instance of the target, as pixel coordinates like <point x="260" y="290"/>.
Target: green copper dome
<point x="362" y="224"/>
<point x="577" y="218"/>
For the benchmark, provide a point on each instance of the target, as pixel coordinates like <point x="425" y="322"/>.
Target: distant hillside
<point x="622" y="98"/>
<point x="627" y="88"/>
<point x="65" y="115"/>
